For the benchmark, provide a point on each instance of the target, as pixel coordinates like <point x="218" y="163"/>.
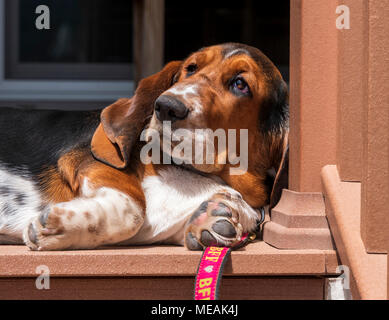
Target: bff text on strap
<point x="211" y="266"/>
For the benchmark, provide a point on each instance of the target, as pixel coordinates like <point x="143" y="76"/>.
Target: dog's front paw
<point x="218" y="222"/>
<point x="49" y="231"/>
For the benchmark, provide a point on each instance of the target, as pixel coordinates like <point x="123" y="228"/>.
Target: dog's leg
<point x="99" y="216"/>
<point x="220" y="221"/>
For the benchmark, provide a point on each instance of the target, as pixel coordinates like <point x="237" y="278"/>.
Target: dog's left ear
<point x="277" y="125"/>
<point x="282" y="176"/>
<point x="274" y="113"/>
<point x="123" y="121"/>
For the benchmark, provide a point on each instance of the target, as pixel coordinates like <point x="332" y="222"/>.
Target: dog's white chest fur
<point x="171" y="198"/>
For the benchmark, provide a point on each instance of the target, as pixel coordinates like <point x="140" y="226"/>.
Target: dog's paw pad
<point x="214" y="223"/>
<point x="224" y="228"/>
<point x="207" y="239"/>
<point x="192" y="243"/>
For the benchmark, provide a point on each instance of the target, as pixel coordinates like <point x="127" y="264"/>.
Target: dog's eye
<point x="240" y="87"/>
<point x="191" y="69"/>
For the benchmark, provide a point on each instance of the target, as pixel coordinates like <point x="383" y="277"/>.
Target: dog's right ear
<point x="123" y="121"/>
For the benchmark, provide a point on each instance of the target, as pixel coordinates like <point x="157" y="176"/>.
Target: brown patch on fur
<point x="69" y="164"/>
<point x="87" y="215"/>
<point x="126" y="181"/>
<point x="61" y="183"/>
<point x="54" y="219"/>
<point x="58" y="211"/>
<point x="70" y="215"/>
<point x="97" y="229"/>
<point x="55" y="188"/>
<point x="250" y="186"/>
<point x="137" y="219"/>
<point x="92" y="228"/>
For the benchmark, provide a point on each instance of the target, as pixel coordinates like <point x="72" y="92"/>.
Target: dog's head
<point x="230" y="89"/>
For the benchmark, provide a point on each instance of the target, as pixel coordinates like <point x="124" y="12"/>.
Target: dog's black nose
<point x="168" y="108"/>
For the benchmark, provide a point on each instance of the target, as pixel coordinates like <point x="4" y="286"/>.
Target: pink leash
<point x="210" y="270"/>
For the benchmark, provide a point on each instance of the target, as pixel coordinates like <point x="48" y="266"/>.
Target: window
<point x="86" y="40"/>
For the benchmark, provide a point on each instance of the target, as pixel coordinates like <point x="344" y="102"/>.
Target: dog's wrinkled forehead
<point x="229" y="51"/>
<point x="263" y="62"/>
<point x="217" y="54"/>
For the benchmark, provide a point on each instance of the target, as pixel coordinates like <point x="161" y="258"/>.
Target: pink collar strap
<point x="210" y="270"/>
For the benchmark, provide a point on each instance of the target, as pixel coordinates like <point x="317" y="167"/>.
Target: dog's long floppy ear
<point x="278" y="127"/>
<point x="123" y="121"/>
<point x="281" y="178"/>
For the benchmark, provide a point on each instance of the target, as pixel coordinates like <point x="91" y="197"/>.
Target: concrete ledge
<point x="293" y="238"/>
<point x="256" y="259"/>
<point x="343" y="207"/>
<point x="299" y="221"/>
<point x="300" y="210"/>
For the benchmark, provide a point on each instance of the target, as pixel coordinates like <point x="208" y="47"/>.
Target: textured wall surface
<point x="313" y="87"/>
<point x="375" y="174"/>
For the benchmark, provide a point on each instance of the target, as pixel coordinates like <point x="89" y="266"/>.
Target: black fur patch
<point x="36" y="139"/>
<point x="7" y="209"/>
<point x="4" y="190"/>
<point x="20" y="199"/>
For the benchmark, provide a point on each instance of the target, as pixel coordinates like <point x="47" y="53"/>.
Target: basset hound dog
<point x="77" y="180"/>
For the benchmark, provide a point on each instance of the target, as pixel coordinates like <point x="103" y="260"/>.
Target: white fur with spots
<point x="98" y="216"/>
<point x="20" y="203"/>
